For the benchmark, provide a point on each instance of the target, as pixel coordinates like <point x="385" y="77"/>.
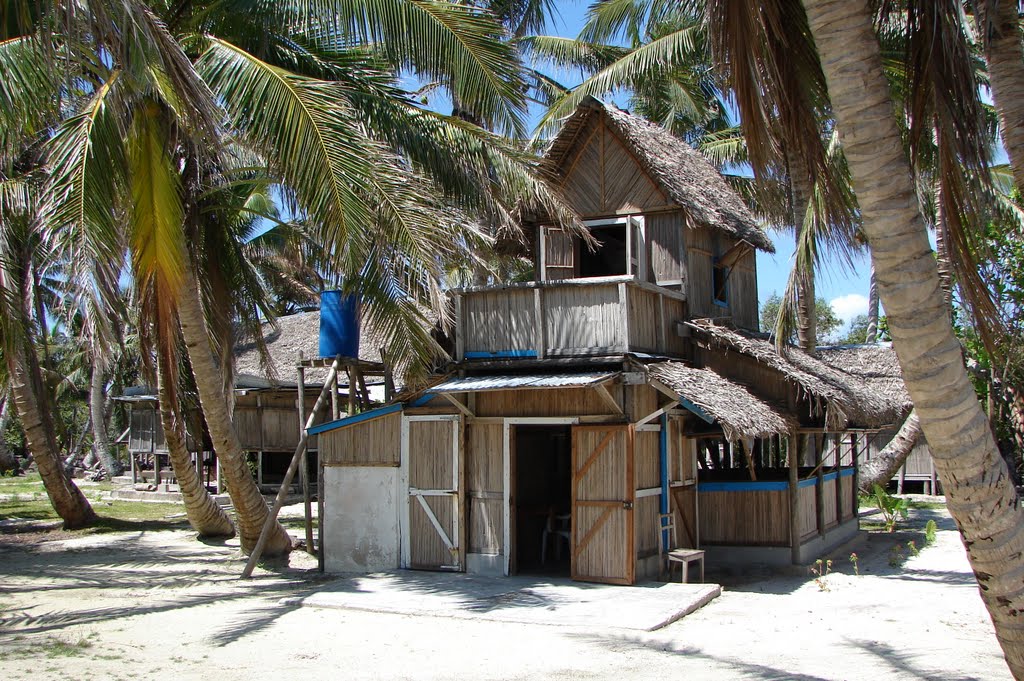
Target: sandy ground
<point x="161" y="605"/>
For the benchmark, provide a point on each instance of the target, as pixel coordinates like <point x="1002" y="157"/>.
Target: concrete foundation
<point x="781" y="556"/>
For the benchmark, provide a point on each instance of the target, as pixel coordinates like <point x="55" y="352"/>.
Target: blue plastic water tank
<point x="339" y="324"/>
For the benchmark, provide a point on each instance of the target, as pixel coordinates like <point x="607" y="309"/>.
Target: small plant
<point x="893" y="509"/>
<point x="821" y="570"/>
<point x="856" y="565"/>
<point x="896" y="555"/>
<point x="912" y="547"/>
<point x="929" y="532"/>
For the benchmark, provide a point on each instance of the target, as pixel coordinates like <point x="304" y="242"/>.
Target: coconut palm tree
<point x="980" y="494"/>
<point x="154" y="101"/>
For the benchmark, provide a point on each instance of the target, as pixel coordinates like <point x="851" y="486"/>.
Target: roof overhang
<point x="472" y="384"/>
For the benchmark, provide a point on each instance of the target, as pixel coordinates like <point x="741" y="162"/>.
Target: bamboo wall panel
<point x="847" y="499"/>
<point x="807" y="513"/>
<point x="602" y="516"/>
<point x="549" y="402"/>
<point x="496" y="321"/>
<point x="829" y="506"/>
<point x="699" y="282"/>
<point x="665" y="235"/>
<point x="743" y="293"/>
<point x="559" y="253"/>
<point x="484" y="483"/>
<point x="681" y="464"/>
<point x="675" y="311"/>
<point x="625" y="184"/>
<point x="582" y="186"/>
<point x="648" y="460"/>
<point x="646" y="517"/>
<point x="644" y="311"/>
<point x="583" y="318"/>
<point x="756" y="518"/>
<point x="376" y="442"/>
<point x="280" y="429"/>
<point x="247" y="426"/>
<point x="428" y="550"/>
<point x="430" y="454"/>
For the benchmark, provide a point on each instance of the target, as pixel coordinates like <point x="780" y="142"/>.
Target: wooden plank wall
<point x="484" y="485"/>
<point x="807" y="511"/>
<point x="700" y="252"/>
<point x="376" y="442"/>
<point x="648" y="474"/>
<point x="675" y="311"/>
<point x="560" y="250"/>
<point x="581" y="319"/>
<point x="754" y="518"/>
<point x="498" y="321"/>
<point x="547" y="402"/>
<point x="743" y="293"/>
<point x="603" y="552"/>
<point x="645" y="322"/>
<point x="430" y="467"/>
<point x="847" y="499"/>
<point x="829" y="509"/>
<point x="665" y="235"/>
<point x="603" y="177"/>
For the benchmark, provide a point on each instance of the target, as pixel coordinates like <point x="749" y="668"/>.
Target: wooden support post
<point x="902" y="478"/>
<point x="307" y="502"/>
<point x="335" y="409"/>
<point x="364" y="394"/>
<point x="819" y="482"/>
<point x="282" y="493"/>
<point x="856" y="478"/>
<point x="352" y="388"/>
<point x="839" y="479"/>
<point x="794" y="497"/>
<point x="934" y="477"/>
<point x="389" y="378"/>
<point x="321" y="489"/>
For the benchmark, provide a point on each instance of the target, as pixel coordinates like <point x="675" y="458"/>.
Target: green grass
<point x="114" y="515"/>
<point x="22" y="484"/>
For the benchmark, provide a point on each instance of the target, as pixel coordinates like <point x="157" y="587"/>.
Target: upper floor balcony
<point x="597" y="316"/>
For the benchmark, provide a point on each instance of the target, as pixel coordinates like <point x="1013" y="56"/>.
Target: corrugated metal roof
<point x="480" y="383"/>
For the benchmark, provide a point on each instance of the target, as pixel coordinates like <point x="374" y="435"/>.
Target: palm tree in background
<point x="145" y="104"/>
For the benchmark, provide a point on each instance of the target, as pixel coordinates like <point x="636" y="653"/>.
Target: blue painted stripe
<point x="663" y="456"/>
<point x="766" y="486"/>
<point x="830" y="476"/>
<point x="846" y="472"/>
<point x="352" y="420"/>
<point x="502" y="354"/>
<point x="696" y="410"/>
<point x="809" y="482"/>
<point x="422" y="399"/>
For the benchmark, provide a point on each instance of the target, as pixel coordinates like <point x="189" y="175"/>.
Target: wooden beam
<point x="607" y="398"/>
<point x="794" y="499"/>
<point x="819" y="485"/>
<point x="458" y="405"/>
<point x="307" y="501"/>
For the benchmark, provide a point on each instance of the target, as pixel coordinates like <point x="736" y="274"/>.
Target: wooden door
<point x="432" y="469"/>
<point x="559" y="254"/>
<point x="603" y="492"/>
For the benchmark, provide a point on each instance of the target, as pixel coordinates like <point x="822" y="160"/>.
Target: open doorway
<point x="543" y="499"/>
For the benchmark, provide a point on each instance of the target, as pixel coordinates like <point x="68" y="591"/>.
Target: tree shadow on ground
<point x="901" y="661"/>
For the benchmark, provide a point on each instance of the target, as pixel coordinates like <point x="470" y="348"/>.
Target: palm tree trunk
<point x="8" y="462"/>
<point x="979" y="492"/>
<point x="250" y="507"/>
<point x="1005" y="58"/>
<point x="100" y="441"/>
<point x="30" y="407"/>
<point x="880" y="469"/>
<point x="204" y="514"/>
<point x="872" y="332"/>
<point x="806" y="310"/>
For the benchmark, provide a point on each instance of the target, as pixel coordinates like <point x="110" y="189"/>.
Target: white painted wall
<point x="361" y="532"/>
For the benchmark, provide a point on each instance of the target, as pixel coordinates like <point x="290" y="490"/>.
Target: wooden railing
<point x="568" y="317"/>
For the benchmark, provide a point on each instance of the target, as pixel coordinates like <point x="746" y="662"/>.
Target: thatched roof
<point x="846" y="396"/>
<point x="686" y="177"/>
<point x="731" y="405"/>
<point x="294" y="333"/>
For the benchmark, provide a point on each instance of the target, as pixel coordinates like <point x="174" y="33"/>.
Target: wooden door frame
<point x="629" y="503"/>
<point x="458" y="475"/>
<point x="508" y="451"/>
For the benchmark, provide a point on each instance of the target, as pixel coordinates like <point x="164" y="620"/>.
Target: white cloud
<point x="849" y="306"/>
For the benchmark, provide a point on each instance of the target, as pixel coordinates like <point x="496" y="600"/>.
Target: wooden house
<point x="622" y="383"/>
